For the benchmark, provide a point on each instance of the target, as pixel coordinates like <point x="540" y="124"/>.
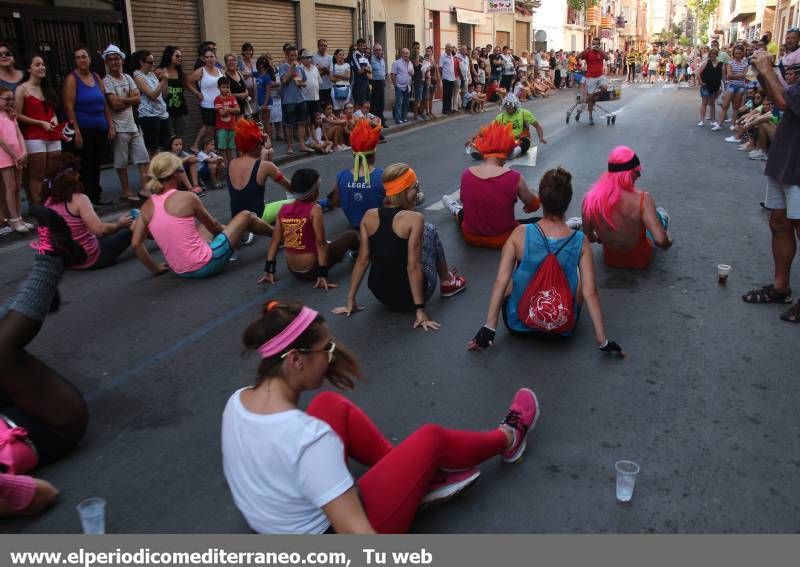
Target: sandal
<point x="792" y="315"/>
<point x="767" y="294"/>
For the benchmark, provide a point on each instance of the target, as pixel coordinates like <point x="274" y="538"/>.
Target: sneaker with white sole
<point x="715" y="126"/>
<point x="744" y="147"/>
<point x="757" y="154"/>
<point x="575" y="223"/>
<point x="733" y="140"/>
<point x="5" y="230"/>
<point x="451" y="204"/>
<point x="448" y="484"/>
<point x="247" y="238"/>
<point x="728" y="120"/>
<point x="521" y="418"/>
<point x="701" y="124"/>
<point x="457" y="284"/>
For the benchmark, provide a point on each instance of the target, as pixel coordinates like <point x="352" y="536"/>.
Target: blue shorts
<point x="735" y="89"/>
<point x="204" y="172"/>
<point x="704" y="92"/>
<point x="221" y="252"/>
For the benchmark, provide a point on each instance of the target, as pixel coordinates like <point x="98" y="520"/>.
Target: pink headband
<point x="279" y="342"/>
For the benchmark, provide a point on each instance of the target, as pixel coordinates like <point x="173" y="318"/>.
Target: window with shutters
<point x="403" y="37"/>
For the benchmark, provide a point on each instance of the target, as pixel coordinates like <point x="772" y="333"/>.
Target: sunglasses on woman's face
<point x="6" y="54"/>
<point x="329" y="349"/>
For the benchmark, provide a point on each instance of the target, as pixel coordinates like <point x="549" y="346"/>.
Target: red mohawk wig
<point x="364" y="136"/>
<point x="363" y="140"/>
<point x="247" y="135"/>
<point x="495" y="140"/>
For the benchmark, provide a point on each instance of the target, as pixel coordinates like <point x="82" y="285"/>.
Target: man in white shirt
<point x="462" y="58"/>
<point x="323" y="62"/>
<point x="122" y="96"/>
<point x="447" y="70"/>
<point x="311" y="88"/>
<point x="402" y="73"/>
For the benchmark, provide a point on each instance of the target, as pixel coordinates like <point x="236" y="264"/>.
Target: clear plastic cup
<point x="626" y="479"/>
<point x="92" y="512"/>
<point x="723" y="271"/>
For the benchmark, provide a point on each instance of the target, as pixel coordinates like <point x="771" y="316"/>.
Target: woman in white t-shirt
<point x="287" y="468"/>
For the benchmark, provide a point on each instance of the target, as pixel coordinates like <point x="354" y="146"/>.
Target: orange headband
<point x="499" y="155"/>
<point x="400" y="184"/>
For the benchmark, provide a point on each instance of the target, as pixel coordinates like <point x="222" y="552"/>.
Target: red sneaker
<point x="457" y="284"/>
<point x="448" y="484"/>
<point x="522" y="415"/>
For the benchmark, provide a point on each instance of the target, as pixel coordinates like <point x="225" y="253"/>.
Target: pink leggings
<point x="399" y="477"/>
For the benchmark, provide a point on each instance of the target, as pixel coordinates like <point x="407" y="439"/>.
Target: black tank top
<point x="251" y="197"/>
<point x="712" y="76"/>
<point x="388" y="253"/>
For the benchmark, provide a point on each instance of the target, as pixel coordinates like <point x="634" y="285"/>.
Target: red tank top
<point x="489" y="203"/>
<point x="37" y="109"/>
<point x="298" y="232"/>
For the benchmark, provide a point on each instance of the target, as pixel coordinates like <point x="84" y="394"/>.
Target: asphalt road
<point x="705" y="402"/>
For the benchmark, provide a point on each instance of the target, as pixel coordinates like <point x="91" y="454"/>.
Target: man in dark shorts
<point x="293" y="104"/>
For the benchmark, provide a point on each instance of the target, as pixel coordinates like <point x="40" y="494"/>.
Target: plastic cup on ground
<point x="723" y="271"/>
<point x="92" y="512"/>
<point x="626" y="479"/>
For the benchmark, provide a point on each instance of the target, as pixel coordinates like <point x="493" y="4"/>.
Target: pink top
<point x="178" y="237"/>
<point x="80" y="234"/>
<point x="18" y="491"/>
<point x="8" y="133"/>
<point x="298" y="234"/>
<point x="489" y="203"/>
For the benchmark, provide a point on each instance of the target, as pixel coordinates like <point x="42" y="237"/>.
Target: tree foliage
<point x="580" y="5"/>
<point x="702" y="9"/>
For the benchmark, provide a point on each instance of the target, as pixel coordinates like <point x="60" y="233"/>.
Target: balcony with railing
<point x="741" y="10"/>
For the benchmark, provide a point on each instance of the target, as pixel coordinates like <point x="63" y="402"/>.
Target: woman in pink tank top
<point x="172" y="218"/>
<point x="103" y="242"/>
<point x="301" y="228"/>
<point x="489" y="192"/>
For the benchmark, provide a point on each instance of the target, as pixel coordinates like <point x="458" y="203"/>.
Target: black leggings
<point x="94" y="151"/>
<point x="336" y="250"/>
<point x="111" y="247"/>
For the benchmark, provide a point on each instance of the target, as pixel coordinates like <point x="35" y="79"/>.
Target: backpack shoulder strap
<point x="560" y="248"/>
<point x="544" y="238"/>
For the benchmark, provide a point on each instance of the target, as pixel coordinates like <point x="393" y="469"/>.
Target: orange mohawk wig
<point x="363" y="140"/>
<point x="495" y="140"/>
<point x="247" y="135"/>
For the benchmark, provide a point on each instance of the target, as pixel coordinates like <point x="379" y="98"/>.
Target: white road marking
<point x="438" y="205"/>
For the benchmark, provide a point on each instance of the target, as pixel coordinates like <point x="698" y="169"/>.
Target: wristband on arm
<point x="269" y="266"/>
<point x="322" y="271"/>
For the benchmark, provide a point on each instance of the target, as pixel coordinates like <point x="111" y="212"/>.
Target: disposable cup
<point x="723" y="271"/>
<point x="92" y="512"/>
<point x="626" y="479"/>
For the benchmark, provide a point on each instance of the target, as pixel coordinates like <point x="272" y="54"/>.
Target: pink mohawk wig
<point x="604" y="195"/>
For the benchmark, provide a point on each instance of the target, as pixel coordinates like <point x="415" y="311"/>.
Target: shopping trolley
<point x="614" y="92"/>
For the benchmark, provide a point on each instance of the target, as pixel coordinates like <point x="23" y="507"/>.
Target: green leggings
<point x="270" y="214"/>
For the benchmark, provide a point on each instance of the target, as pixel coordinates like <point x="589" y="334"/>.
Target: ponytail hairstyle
<point x="275" y="317"/>
<point x="162" y="167"/>
<point x="605" y="194"/>
<point x="555" y="191"/>
<point x="62" y="179"/>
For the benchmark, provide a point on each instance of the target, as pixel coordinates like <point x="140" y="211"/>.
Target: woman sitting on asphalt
<point x="43" y="416"/>
<point x="248" y="174"/>
<point x="171" y="217"/>
<point x="405" y="252"/>
<point x="490" y="191"/>
<point x="623" y="218"/>
<point x="301" y="229"/>
<point x="103" y="242"/>
<point x="523" y="254"/>
<point x="287" y="467"/>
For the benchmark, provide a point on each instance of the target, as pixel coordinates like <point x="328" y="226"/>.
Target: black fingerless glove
<point x="269" y="266"/>
<point x="610" y="346"/>
<point x="322" y="271"/>
<point x="484" y="337"/>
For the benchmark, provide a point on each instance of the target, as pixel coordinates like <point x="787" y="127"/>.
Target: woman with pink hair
<point x="623" y="218"/>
